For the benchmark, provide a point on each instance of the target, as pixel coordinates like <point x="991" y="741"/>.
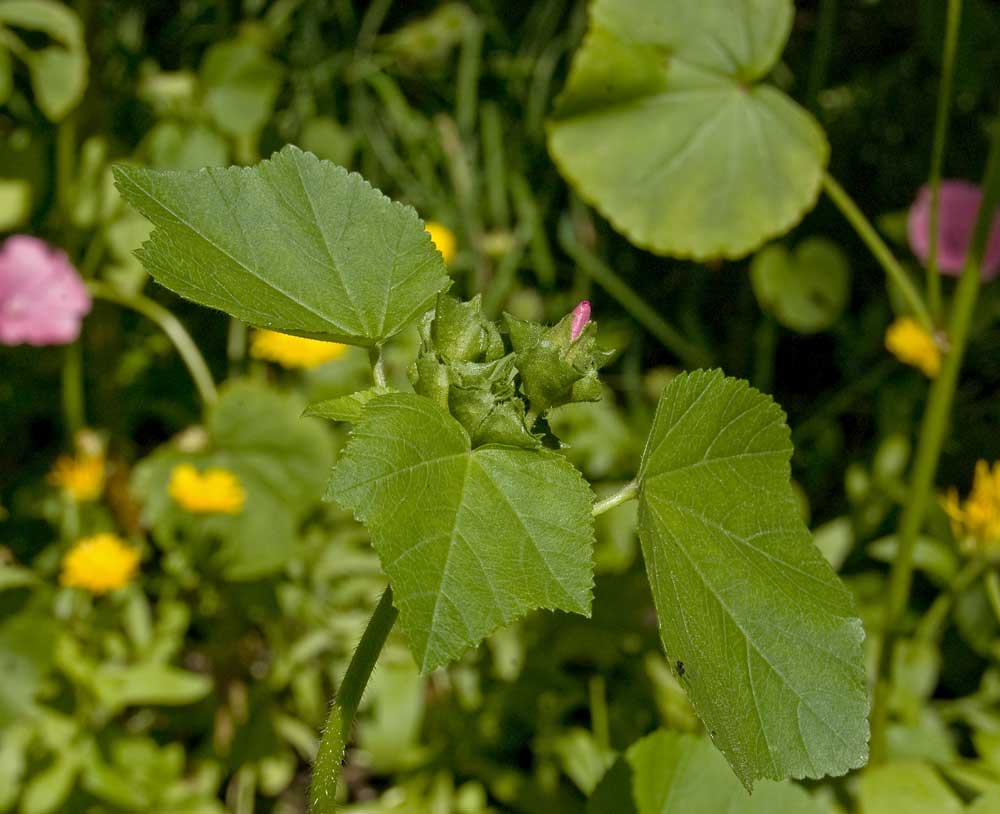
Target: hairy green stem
<point x="894" y="271"/>
<point x="690" y="354"/>
<point x="933" y="430"/>
<point x="628" y="492"/>
<point x="326" y="769"/>
<point x="172" y="327"/>
<point x="941" y="122"/>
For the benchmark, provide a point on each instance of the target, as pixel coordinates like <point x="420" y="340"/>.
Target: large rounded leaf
<point x="661" y="126"/>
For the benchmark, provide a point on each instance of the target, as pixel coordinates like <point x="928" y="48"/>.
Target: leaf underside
<point x="470" y="539"/>
<point x="294" y="244"/>
<point x="661" y="127"/>
<point x="768" y="636"/>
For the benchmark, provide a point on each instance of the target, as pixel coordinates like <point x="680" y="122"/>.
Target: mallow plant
<point x="475" y="513"/>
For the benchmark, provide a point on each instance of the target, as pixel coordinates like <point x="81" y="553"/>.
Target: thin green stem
<point x="330" y="757"/>
<point x="236" y="345"/>
<point x="894" y="271"/>
<point x="628" y="492"/>
<point x="826" y="27"/>
<point x="933" y="430"/>
<point x="599" y="711"/>
<point x="941" y="123"/>
<point x="172" y="327"/>
<point x="930" y="626"/>
<point x="690" y="354"/>
<point x="73" y="401"/>
<point x="65" y="164"/>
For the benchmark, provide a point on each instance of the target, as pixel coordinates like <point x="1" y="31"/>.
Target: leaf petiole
<point x="628" y="492"/>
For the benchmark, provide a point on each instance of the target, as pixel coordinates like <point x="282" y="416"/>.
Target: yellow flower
<point x="99" y="564"/>
<point x="976" y="522"/>
<point x="80" y="476"/>
<point x="443" y="239"/>
<point x="211" y="491"/>
<point x="911" y="344"/>
<point x="293" y="351"/>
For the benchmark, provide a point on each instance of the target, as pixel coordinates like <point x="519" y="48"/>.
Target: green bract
<point x="661" y="126"/>
<point x="294" y="244"/>
<point x="470" y="539"/>
<point x="762" y="633"/>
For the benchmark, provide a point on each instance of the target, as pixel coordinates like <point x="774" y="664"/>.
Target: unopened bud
<point x="581" y="316"/>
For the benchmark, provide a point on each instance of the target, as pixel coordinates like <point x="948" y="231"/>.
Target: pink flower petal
<point x="959" y="205"/>
<point x="581" y="316"/>
<point x="42" y="298"/>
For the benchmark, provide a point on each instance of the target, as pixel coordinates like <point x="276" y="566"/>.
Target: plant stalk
<point x="73" y="400"/>
<point x="941" y="121"/>
<point x="326" y="769"/>
<point x="894" y="271"/>
<point x="172" y="327"/>
<point x="933" y="430"/>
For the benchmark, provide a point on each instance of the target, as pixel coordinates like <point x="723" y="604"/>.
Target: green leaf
<point x="806" y="290"/>
<point x="171" y="145"/>
<point x="59" y="78"/>
<point x="683" y="774"/>
<point x="986" y="803"/>
<point x="58" y="71"/>
<point x="346" y="408"/>
<point x="241" y="84"/>
<point x="661" y="127"/>
<point x="294" y="244"/>
<point x="913" y="787"/>
<point x="470" y="539"/>
<point x="767" y="636"/>
<point x="48" y="789"/>
<point x="121" y="685"/>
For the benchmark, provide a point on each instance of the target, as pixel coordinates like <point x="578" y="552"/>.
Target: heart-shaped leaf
<point x="765" y="637"/>
<point x="805" y="290"/>
<point x="470" y="539"/>
<point x="294" y="244"/>
<point x="662" y="128"/>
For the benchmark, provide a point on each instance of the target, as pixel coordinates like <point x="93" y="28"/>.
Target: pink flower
<point x="42" y="298"/>
<point x="581" y="316"/>
<point x="959" y="204"/>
